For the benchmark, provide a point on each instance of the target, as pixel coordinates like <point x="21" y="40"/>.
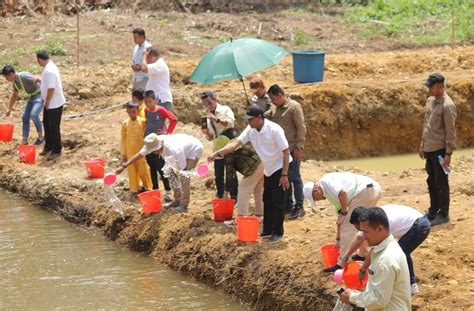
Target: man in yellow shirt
<point x="133" y="130"/>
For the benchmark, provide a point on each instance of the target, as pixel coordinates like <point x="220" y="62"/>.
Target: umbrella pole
<point x="245" y="91"/>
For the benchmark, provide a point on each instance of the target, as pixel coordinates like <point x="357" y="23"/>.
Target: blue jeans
<point x="33" y="109"/>
<point x="412" y="239"/>
<point x="296" y="185"/>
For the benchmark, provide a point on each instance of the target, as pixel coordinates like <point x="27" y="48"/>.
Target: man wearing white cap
<point x="186" y="149"/>
<point x="345" y="191"/>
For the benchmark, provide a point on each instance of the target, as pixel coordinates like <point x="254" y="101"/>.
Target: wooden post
<point x="453" y="28"/>
<point x="78" y="28"/>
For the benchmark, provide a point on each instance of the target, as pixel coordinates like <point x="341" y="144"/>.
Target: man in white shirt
<point x="185" y="149"/>
<point x="407" y="225"/>
<point x="158" y="76"/>
<point x="53" y="98"/>
<point x="345" y="191"/>
<point x="220" y="122"/>
<point x="139" y="79"/>
<point x="269" y="141"/>
<point x="388" y="287"/>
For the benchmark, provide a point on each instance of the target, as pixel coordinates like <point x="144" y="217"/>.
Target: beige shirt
<point x="388" y="287"/>
<point x="265" y="102"/>
<point x="439" y="128"/>
<point x="223" y="113"/>
<point x="290" y="117"/>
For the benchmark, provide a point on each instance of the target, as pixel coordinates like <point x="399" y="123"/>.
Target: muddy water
<point x="47" y="263"/>
<point x="397" y="163"/>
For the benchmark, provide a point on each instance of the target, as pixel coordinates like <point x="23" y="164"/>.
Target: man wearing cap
<point x="220" y="125"/>
<point x="438" y="140"/>
<point x="30" y="89"/>
<point x="158" y="76"/>
<point x="289" y="115"/>
<point x="260" y="96"/>
<point x="345" y="191"/>
<point x="139" y="79"/>
<point x="269" y="141"/>
<point x="185" y="149"/>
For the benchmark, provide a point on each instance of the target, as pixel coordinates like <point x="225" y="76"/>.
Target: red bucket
<point x="150" y="201"/>
<point x="223" y="209"/>
<point x="6" y="132"/>
<point x="247" y="229"/>
<point x="350" y="275"/>
<point x="330" y="255"/>
<point x="95" y="169"/>
<point x="27" y="154"/>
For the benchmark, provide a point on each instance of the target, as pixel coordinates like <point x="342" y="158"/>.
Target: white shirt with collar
<point x="223" y="113"/>
<point x="159" y="80"/>
<point x="51" y="79"/>
<point x="137" y="58"/>
<point x="388" y="287"/>
<point x="269" y="143"/>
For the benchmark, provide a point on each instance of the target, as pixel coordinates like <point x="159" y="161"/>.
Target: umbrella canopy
<point x="236" y="59"/>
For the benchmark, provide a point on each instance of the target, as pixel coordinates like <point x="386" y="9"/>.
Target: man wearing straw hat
<point x="345" y="191"/>
<point x="185" y="149"/>
<point x="269" y="141"/>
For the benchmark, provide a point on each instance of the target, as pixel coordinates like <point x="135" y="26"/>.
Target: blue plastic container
<point x="308" y="66"/>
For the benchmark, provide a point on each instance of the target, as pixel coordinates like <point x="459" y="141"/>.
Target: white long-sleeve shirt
<point x="388" y="287"/>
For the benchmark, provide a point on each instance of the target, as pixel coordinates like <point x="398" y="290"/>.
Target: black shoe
<point x="430" y="215"/>
<point x="264" y="234"/>
<point x="45" y="152"/>
<point x="332" y="269"/>
<point x="275" y="239"/>
<point x="297" y="213"/>
<point x="357" y="258"/>
<point x="440" y="219"/>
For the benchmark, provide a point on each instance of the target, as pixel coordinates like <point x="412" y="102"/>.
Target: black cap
<point x="253" y="112"/>
<point x="433" y="79"/>
<point x="206" y="94"/>
<point x="131" y="105"/>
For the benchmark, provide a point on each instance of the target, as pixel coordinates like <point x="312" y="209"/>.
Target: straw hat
<point x="152" y="142"/>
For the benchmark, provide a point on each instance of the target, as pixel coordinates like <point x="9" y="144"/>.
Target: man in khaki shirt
<point x="438" y="140"/>
<point x="260" y="97"/>
<point x="388" y="287"/>
<point x="289" y="115"/>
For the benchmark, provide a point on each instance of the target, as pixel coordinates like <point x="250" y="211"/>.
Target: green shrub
<point x="301" y="38"/>
<point x="55" y="47"/>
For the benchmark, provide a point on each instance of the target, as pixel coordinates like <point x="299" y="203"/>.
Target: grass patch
<point x="419" y="22"/>
<point x="301" y="38"/>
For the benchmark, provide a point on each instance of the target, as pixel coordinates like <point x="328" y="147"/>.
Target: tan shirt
<point x="439" y="128"/>
<point x="291" y="118"/>
<point x="265" y="102"/>
<point x="389" y="280"/>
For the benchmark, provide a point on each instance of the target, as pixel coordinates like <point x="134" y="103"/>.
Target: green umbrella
<point x="236" y="59"/>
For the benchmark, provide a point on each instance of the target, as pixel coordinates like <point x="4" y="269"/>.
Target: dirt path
<point x="285" y="276"/>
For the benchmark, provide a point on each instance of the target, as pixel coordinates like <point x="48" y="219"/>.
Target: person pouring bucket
<point x="345" y="191"/>
<point x="185" y="149"/>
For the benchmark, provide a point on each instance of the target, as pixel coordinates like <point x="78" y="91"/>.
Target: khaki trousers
<point x="252" y="184"/>
<point x="367" y="198"/>
<point x="183" y="195"/>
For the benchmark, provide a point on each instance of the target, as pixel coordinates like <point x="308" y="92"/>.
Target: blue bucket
<point x="308" y="66"/>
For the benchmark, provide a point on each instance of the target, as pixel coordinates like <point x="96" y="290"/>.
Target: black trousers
<point x="274" y="202"/>
<point x="156" y="163"/>
<point x="438" y="185"/>
<point x="52" y="129"/>
<point x="219" y="174"/>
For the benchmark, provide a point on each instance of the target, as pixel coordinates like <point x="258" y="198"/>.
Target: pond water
<point x="47" y="263"/>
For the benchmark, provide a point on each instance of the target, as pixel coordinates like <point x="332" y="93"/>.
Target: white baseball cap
<point x="308" y="191"/>
<point x="152" y="142"/>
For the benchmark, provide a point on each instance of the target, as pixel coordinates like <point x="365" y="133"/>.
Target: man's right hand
<point x="205" y="131"/>
<point x="421" y="153"/>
